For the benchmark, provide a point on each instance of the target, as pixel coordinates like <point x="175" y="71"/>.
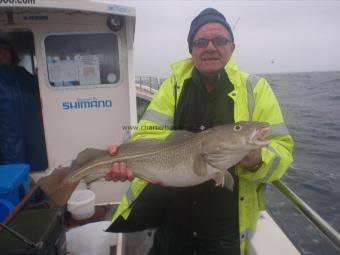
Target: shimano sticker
<point x="87" y="103"/>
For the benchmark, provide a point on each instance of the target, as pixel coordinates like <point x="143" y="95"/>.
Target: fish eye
<point x="237" y="127"/>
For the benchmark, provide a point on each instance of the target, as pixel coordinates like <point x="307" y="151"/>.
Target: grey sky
<point x="271" y="36"/>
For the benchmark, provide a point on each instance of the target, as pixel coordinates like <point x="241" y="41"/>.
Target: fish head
<point x="241" y="136"/>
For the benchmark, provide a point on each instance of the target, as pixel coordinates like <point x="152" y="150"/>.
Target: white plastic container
<point x="91" y="239"/>
<point x="81" y="204"/>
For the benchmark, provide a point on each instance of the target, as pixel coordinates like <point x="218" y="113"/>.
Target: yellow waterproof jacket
<point x="253" y="100"/>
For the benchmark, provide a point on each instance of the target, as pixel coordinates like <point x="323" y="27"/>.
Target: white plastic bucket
<point x="81" y="204"/>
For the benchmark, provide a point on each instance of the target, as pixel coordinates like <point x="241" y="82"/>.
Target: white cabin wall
<point x="69" y="132"/>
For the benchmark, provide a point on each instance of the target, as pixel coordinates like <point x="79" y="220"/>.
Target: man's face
<point x="211" y="59"/>
<point x="5" y="57"/>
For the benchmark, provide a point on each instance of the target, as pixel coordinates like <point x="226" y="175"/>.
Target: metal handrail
<point x="148" y="81"/>
<point x="309" y="213"/>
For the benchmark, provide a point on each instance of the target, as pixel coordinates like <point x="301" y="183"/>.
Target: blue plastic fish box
<point x="14" y="182"/>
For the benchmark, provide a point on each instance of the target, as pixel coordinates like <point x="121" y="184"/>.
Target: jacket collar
<point x="183" y="70"/>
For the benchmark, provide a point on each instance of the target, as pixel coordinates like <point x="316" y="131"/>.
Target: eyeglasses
<point x="217" y="42"/>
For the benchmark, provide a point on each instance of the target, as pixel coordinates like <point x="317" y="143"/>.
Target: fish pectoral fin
<point x="219" y="178"/>
<point x="200" y="167"/>
<point x="228" y="181"/>
<point x="222" y="161"/>
<point x="225" y="179"/>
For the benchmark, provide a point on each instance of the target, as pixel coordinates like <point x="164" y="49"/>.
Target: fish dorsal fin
<point x="147" y="146"/>
<point x="179" y="136"/>
<point x="140" y="147"/>
<point x="92" y="178"/>
<point x="88" y="154"/>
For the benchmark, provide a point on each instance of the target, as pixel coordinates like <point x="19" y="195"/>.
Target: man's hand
<point x="119" y="170"/>
<point x="252" y="161"/>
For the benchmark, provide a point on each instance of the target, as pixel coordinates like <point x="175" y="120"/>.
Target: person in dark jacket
<point x="21" y="129"/>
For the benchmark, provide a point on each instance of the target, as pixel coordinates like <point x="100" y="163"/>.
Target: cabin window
<point x="82" y="59"/>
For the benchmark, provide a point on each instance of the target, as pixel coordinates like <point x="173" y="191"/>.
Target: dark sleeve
<point x="12" y="145"/>
<point x="33" y="123"/>
<point x="147" y="211"/>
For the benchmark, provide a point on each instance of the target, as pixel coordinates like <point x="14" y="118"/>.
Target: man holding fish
<point x="204" y="91"/>
<point x="201" y="190"/>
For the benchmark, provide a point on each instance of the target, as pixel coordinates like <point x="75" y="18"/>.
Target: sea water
<point x="311" y="106"/>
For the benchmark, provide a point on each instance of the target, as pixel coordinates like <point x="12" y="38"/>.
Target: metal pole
<point x="150" y="82"/>
<point x="18" y="235"/>
<point x="308" y="212"/>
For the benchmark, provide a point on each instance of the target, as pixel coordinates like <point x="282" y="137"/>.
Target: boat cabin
<point x="81" y="57"/>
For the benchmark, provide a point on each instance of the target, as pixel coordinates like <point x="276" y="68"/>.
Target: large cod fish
<point x="182" y="159"/>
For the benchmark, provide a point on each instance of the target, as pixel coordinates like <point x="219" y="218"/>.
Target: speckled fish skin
<point x="184" y="159"/>
<point x="181" y="160"/>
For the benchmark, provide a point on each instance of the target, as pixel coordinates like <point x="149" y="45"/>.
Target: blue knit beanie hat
<point x="208" y="15"/>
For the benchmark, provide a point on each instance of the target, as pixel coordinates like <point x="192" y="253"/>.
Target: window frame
<point x="89" y="86"/>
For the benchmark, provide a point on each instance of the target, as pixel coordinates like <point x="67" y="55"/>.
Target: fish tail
<point x="55" y="188"/>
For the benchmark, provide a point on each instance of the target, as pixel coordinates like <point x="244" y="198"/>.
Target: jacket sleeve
<point x="156" y="123"/>
<point x="157" y="120"/>
<point x="277" y="157"/>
